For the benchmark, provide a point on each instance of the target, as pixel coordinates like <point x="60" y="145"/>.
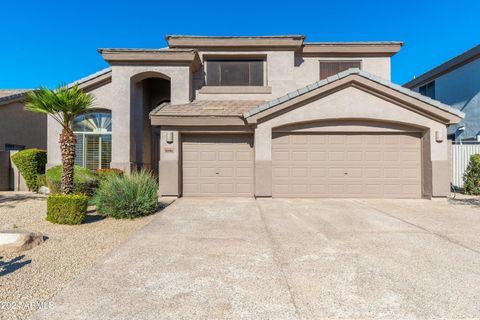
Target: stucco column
<point x="123" y="137"/>
<point x="181" y="85"/>
<point x="441" y="169"/>
<point x="168" y="166"/>
<point x="263" y="162"/>
<point x="54" y="156"/>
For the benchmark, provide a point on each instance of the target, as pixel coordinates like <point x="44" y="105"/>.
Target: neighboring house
<point x="266" y="116"/>
<point x="20" y="129"/>
<point x="456" y="83"/>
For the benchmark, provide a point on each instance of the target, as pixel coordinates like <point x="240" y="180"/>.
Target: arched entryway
<point x="149" y="90"/>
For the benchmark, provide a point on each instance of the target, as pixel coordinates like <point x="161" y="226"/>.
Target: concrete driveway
<point x="288" y="259"/>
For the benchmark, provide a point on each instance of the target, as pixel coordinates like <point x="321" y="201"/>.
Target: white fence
<point x="460" y="157"/>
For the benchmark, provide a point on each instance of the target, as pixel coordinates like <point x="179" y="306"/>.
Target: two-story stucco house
<point x="456" y="83"/>
<point x="271" y="116"/>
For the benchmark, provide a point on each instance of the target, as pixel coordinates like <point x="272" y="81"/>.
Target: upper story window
<point x="248" y="72"/>
<point x="330" y="68"/>
<point x="428" y="90"/>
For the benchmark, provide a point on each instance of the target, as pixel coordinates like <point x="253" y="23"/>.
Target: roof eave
<point x="446" y="67"/>
<point x="384" y="49"/>
<point x="236" y="43"/>
<point x="152" y="56"/>
<point x="12" y="98"/>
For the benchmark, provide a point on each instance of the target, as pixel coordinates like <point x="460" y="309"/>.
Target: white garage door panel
<point x="346" y="165"/>
<point x="216" y="165"/>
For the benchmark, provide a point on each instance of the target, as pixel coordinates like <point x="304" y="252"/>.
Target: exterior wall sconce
<point x="438" y="136"/>
<point x="170" y="137"/>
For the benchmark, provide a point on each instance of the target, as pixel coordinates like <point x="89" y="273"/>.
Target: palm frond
<point x="62" y="104"/>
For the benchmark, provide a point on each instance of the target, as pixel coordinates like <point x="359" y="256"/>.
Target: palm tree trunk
<point x="67" y="147"/>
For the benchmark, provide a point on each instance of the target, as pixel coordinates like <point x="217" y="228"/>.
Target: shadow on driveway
<point x="466" y="201"/>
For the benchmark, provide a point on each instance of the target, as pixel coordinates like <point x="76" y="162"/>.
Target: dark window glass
<point x="330" y="68"/>
<point x="234" y="73"/>
<point x="13" y="147"/>
<point x="213" y="73"/>
<point x="428" y="90"/>
<point x="256" y="73"/>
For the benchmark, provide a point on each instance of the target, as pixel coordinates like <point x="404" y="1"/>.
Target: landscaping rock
<point x="19" y="240"/>
<point x="43" y="190"/>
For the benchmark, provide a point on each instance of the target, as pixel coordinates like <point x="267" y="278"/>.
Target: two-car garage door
<point x="346" y="165"/>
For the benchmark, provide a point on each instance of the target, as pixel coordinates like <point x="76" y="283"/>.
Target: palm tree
<point x="63" y="105"/>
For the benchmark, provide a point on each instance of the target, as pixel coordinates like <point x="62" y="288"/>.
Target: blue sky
<point x="53" y="42"/>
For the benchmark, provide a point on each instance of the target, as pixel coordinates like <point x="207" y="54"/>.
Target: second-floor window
<point x="235" y="72"/>
<point x="428" y="90"/>
<point x="330" y="68"/>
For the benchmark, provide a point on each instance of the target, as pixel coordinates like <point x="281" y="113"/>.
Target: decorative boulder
<point x="43" y="190"/>
<point x="18" y="240"/>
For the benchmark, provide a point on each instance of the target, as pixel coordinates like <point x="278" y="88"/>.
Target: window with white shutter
<point x="94" y="140"/>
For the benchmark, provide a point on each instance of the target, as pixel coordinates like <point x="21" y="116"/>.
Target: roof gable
<point x="365" y="81"/>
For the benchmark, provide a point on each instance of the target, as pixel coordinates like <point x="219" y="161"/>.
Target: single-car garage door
<point x="217" y="165"/>
<point x="346" y="165"/>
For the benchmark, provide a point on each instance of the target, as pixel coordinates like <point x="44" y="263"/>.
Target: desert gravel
<point x="28" y="280"/>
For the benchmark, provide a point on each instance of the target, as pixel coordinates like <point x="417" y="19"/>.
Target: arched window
<point x="94" y="139"/>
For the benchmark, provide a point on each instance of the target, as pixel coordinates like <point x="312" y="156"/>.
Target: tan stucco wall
<point x="286" y="72"/>
<point x="127" y="106"/>
<point x="18" y="126"/>
<point x="353" y="103"/>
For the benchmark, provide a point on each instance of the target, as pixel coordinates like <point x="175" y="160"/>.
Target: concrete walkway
<point x="288" y="259"/>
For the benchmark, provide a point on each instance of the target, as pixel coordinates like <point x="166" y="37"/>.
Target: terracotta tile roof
<point x="206" y="108"/>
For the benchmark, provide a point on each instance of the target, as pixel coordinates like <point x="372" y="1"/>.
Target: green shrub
<point x="128" y="196"/>
<point x="30" y="163"/>
<point x="41" y="180"/>
<point x="103" y="174"/>
<point x="471" y="178"/>
<point x="84" y="181"/>
<point x="67" y="208"/>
